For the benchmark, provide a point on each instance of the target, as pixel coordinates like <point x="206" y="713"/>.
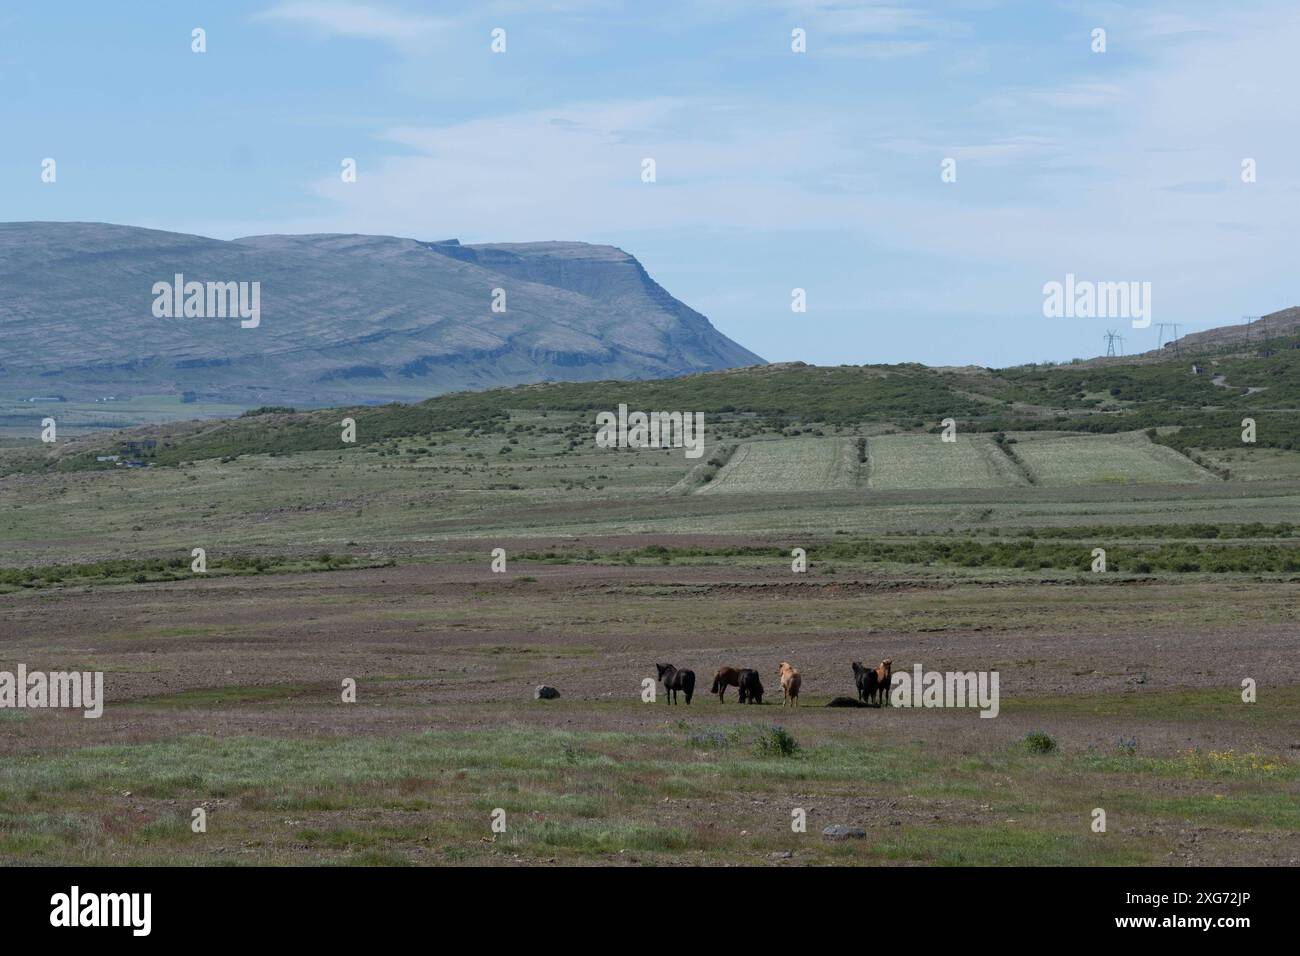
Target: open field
<point x="372" y="563"/>
<point x="898" y="462"/>
<point x="22" y="419"/>
<point x="1256" y="464"/>
<point x="1070" y="460"/>
<point x="225" y="694"/>
<point x="813" y="464"/>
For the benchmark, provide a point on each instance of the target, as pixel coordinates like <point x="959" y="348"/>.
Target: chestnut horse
<point x="726" y="677"/>
<point x="884" y="680"/>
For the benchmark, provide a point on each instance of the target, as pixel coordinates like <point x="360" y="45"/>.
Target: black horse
<point x="675" y="680"/>
<point x="751" y="688"/>
<point x="867" y="681"/>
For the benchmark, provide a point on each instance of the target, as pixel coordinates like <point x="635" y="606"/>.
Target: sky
<point x="775" y="170"/>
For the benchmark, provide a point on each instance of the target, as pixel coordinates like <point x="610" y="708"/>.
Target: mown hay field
<point x="1105" y="459"/>
<point x="896" y="462"/>
<point x="790" y="464"/>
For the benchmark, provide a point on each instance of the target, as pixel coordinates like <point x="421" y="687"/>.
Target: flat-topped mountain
<point x="341" y="318"/>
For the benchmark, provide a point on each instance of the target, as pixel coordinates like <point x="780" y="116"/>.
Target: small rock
<point x="780" y="855"/>
<point x="839" y="831"/>
<point x="545" y="692"/>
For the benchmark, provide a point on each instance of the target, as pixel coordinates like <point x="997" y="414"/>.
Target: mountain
<point x="342" y="318"/>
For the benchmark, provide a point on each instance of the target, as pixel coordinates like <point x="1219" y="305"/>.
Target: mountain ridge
<point x="344" y="317"/>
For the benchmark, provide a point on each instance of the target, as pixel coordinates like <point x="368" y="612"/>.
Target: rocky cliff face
<point x="341" y="318"/>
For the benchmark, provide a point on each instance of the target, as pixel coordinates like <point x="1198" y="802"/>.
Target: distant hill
<point x="1221" y="339"/>
<point x="343" y="318"/>
<point x="1178" y="406"/>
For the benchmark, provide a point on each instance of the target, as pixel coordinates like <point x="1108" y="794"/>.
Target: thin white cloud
<point x="1109" y="174"/>
<point x="577" y="170"/>
<point x="339" y="18"/>
<point x="1088" y="96"/>
<point x="878" y="49"/>
<point x="866" y="17"/>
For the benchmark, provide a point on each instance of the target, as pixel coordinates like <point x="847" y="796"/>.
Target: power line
<point x="1250" y="321"/>
<point x="1173" y="341"/>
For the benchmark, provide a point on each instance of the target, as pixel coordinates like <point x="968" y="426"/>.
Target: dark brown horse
<point x="674" y="681"/>
<point x="751" y="688"/>
<point x="726" y="677"/>
<point x="866" y="680"/>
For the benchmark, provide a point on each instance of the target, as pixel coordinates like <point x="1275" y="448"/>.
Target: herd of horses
<point x="873" y="683"/>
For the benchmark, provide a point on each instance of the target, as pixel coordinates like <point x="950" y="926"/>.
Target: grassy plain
<point x="224" y="691"/>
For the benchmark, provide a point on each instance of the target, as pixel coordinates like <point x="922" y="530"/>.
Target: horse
<point x="726" y="677"/>
<point x="790" y="681"/>
<point x="674" y="681"/>
<point x="751" y="688"/>
<point x="884" y="680"/>
<point x="866" y="680"/>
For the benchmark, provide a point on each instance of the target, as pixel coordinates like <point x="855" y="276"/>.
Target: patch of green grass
<point x="1230" y="810"/>
<point x="606" y="838"/>
<point x="587" y="795"/>
<point x="1197" y="764"/>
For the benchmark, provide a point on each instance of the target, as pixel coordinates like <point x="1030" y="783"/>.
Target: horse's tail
<point x="716" y="681"/>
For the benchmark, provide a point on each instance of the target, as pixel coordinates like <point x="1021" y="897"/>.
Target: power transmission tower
<point x="1111" y="338"/>
<point x="1250" y="321"/>
<point x="1173" y="341"/>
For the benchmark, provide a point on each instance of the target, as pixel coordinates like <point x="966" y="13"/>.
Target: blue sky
<point x="775" y="170"/>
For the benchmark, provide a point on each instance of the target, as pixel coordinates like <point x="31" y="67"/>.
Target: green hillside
<point x="1179" y="407"/>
